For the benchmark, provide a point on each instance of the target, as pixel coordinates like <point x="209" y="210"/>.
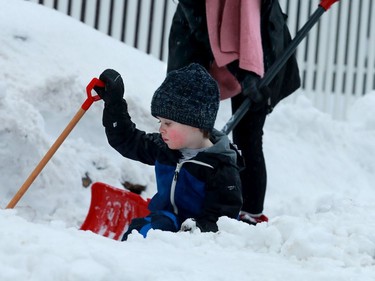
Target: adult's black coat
<point x="189" y="42"/>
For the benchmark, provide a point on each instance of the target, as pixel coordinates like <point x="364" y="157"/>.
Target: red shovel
<point x="112" y="209"/>
<point x="85" y="106"/>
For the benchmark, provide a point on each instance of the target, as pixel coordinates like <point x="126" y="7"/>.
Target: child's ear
<point x="206" y="134"/>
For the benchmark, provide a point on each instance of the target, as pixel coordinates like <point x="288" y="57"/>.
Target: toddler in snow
<point x="196" y="168"/>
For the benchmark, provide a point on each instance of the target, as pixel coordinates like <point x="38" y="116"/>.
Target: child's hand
<point x="113" y="91"/>
<point x="189" y="225"/>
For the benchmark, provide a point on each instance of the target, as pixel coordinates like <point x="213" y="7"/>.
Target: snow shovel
<point x="112" y="209"/>
<point x="84" y="107"/>
<point x="324" y="5"/>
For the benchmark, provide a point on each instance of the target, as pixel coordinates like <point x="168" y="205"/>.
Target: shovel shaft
<point x="301" y="34"/>
<point x="85" y="106"/>
<point x="279" y="63"/>
<point x="46" y="158"/>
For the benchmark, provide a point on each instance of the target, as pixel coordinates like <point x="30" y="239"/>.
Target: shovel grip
<point x="326" y="4"/>
<point x="91" y="98"/>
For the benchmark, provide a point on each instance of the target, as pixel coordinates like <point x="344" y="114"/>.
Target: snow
<point x="321" y="173"/>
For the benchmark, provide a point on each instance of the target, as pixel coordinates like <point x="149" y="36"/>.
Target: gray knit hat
<point x="188" y="96"/>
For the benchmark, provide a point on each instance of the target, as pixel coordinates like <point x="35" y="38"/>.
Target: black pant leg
<point x="248" y="136"/>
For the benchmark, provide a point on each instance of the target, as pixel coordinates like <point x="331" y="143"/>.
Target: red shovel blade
<point x="112" y="209"/>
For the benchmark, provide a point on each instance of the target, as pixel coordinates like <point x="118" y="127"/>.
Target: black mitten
<point x="250" y="88"/>
<point x="113" y="92"/>
<point x="249" y="82"/>
<point x="116" y="115"/>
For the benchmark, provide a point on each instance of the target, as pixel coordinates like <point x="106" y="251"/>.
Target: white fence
<point x="336" y="59"/>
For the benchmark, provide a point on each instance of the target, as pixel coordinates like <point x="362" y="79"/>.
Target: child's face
<point x="178" y="136"/>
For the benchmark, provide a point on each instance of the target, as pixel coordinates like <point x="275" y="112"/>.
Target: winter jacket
<point x="204" y="187"/>
<point x="189" y="42"/>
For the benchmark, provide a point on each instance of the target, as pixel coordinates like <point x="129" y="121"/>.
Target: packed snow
<point x="321" y="173"/>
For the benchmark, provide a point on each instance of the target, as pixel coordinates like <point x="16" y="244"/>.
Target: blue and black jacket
<point x="204" y="187"/>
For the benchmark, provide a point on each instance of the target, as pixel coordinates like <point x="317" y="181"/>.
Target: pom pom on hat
<point x="188" y="96"/>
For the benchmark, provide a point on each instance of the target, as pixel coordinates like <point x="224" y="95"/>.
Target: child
<point x="196" y="173"/>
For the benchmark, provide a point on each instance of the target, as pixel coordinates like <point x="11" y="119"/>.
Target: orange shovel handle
<point x="90" y="99"/>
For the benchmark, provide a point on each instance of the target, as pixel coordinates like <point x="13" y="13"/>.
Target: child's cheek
<point x="176" y="138"/>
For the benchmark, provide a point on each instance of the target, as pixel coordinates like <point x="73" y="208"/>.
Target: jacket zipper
<point x="174" y="182"/>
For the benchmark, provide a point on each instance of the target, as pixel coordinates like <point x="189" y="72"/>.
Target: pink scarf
<point x="234" y="33"/>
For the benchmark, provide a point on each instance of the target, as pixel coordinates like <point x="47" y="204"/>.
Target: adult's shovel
<point x="84" y="107"/>
<point x="324" y="5"/>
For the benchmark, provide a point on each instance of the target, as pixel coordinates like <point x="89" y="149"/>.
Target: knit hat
<point x="188" y="96"/>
